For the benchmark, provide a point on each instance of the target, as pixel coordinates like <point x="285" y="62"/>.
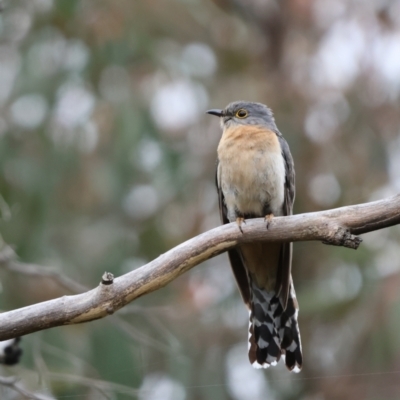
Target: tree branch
<point x="337" y="227"/>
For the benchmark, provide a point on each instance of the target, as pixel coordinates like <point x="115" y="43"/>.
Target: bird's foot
<point x="268" y="218"/>
<point x="239" y="222"/>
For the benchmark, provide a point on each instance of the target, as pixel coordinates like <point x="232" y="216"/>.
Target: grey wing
<point x="290" y="177"/>
<point x="284" y="274"/>
<point x="239" y="270"/>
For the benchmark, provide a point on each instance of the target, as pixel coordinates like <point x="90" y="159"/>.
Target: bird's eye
<point x="242" y="113"/>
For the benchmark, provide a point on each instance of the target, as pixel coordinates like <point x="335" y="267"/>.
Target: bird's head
<point x="245" y="113"/>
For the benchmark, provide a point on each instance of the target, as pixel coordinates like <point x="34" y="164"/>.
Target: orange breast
<point x="251" y="169"/>
<point x="248" y="137"/>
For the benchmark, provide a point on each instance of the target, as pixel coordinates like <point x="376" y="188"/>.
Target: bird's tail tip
<point x="274" y="332"/>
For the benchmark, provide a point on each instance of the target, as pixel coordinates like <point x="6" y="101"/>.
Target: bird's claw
<point x="268" y="218"/>
<point x="239" y="222"/>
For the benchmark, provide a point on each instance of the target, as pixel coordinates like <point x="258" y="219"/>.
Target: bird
<point x="255" y="178"/>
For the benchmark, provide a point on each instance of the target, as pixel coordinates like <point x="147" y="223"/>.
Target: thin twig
<point x="12" y="383"/>
<point x="8" y="259"/>
<point x="94" y="383"/>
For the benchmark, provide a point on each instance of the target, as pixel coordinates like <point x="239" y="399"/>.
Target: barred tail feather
<point x="273" y="331"/>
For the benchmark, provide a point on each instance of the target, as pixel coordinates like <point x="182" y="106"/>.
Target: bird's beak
<point x="217" y="112"/>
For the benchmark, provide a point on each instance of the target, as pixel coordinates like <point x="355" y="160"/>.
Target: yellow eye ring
<point x="242" y="113"/>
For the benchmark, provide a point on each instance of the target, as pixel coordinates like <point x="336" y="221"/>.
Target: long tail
<point x="273" y="331"/>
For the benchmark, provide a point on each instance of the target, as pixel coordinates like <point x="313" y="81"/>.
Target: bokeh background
<point x="107" y="160"/>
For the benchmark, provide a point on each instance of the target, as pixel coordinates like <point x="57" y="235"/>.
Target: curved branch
<point x="338" y="227"/>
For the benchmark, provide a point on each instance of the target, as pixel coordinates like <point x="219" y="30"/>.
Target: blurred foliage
<point x="107" y="160"/>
